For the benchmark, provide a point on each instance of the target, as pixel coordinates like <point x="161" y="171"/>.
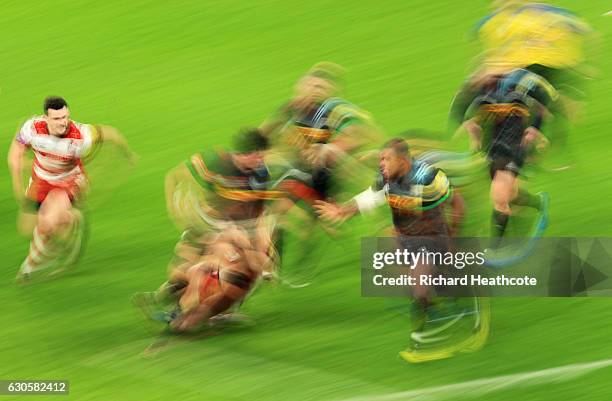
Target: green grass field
<point x="176" y="78"/>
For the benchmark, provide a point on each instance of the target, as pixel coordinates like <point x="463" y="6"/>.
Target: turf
<point x="176" y="78"/>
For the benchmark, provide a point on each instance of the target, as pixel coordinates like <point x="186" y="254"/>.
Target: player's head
<point x="249" y="145"/>
<point x="395" y="158"/>
<point x="57" y="115"/>
<point x="321" y="82"/>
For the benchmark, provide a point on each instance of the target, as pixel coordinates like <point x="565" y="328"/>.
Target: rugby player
<point x="221" y="279"/>
<point x="50" y="204"/>
<point x="416" y="194"/>
<point x="316" y="133"/>
<point x="541" y="38"/>
<point x="316" y="129"/>
<point x="210" y="195"/>
<point x="504" y="123"/>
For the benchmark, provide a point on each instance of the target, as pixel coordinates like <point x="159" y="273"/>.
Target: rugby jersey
<point x="57" y="159"/>
<point x="416" y="198"/>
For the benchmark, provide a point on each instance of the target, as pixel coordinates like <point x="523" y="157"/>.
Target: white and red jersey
<point x="57" y="159"/>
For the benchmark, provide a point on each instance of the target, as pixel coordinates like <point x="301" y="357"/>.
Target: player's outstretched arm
<point x="111" y="134"/>
<point x="363" y="202"/>
<point x="533" y="137"/>
<point x="335" y="213"/>
<point x="173" y="179"/>
<point x="355" y="136"/>
<point x="15" y="163"/>
<point x="474" y="130"/>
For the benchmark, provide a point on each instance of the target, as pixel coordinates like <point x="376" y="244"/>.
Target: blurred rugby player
<point x="504" y="122"/>
<point x="50" y="204"/>
<point x="416" y="194"/>
<point x="217" y="199"/>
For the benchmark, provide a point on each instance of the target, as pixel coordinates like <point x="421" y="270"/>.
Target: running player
<point x="541" y="38"/>
<point x="317" y="129"/>
<point x="505" y="124"/>
<point x="315" y="134"/>
<point x="416" y="194"/>
<point x="57" y="184"/>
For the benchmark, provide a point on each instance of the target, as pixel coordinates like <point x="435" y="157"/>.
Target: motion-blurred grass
<point x="176" y="78"/>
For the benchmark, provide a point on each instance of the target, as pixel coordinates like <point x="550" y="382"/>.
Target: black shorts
<point x="322" y="181"/>
<point x="504" y="163"/>
<point x="568" y="80"/>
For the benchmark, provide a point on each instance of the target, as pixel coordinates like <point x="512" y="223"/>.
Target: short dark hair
<point x="399" y="146"/>
<point x="54" y="103"/>
<point x="249" y="140"/>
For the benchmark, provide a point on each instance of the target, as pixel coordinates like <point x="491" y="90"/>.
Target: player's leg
<point x="240" y="257"/>
<point x="56" y="220"/>
<point x="187" y="252"/>
<point x="525" y="198"/>
<point x="459" y="325"/>
<point x="442" y="323"/>
<point x="74" y="239"/>
<point x="210" y="293"/>
<point x="504" y="188"/>
<point x="27" y="218"/>
<point x="28" y="214"/>
<point x="162" y="304"/>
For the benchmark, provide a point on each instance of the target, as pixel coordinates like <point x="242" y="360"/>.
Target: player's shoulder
<point x="36" y="123"/>
<point x="335" y="104"/>
<point x="340" y="112"/>
<point x="213" y="158"/>
<point x="79" y="130"/>
<point x="424" y="173"/>
<point x="546" y="8"/>
<point x="30" y="128"/>
<point x="489" y="23"/>
<point x="530" y="84"/>
<point x="379" y="182"/>
<point x="213" y="161"/>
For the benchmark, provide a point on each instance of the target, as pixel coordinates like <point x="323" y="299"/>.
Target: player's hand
<point x="476" y="145"/>
<point x="132" y="157"/>
<point x="534" y="137"/>
<point x="330" y="212"/>
<point x="475" y="132"/>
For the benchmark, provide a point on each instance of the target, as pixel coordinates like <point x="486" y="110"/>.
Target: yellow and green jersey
<point x="230" y="192"/>
<point x="519" y="36"/>
<point x="320" y="124"/>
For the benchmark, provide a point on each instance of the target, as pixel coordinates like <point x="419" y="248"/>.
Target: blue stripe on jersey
<point x="324" y="109"/>
<point x="547" y="8"/>
<point x="512" y="79"/>
<point x="422" y="176"/>
<point x="482" y="22"/>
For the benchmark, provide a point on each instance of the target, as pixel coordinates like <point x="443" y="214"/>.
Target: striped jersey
<point x="57" y="159"/>
<point x="415" y="199"/>
<point x="231" y="193"/>
<point x="510" y="105"/>
<point x="320" y="123"/>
